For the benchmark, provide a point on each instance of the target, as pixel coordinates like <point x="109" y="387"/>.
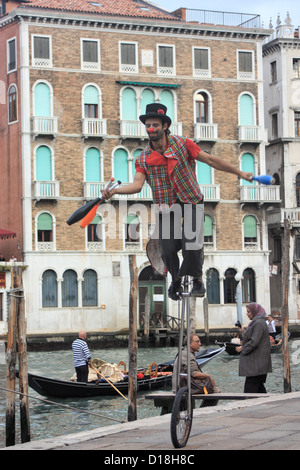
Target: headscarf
<point x="256" y="310"/>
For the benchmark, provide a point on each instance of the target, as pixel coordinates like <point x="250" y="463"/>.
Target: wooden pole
<point x="132" y="373"/>
<point x="23" y="372"/>
<point x="147" y="319"/>
<point x="11" y="357"/>
<point x="205" y="314"/>
<point x="285" y="306"/>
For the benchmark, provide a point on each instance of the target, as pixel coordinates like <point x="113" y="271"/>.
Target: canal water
<point x="49" y="420"/>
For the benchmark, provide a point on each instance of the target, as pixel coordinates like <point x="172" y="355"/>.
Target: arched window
<point x="121" y="165"/>
<point x="132" y="229"/>
<point x="248" y="285"/>
<point x="248" y="165"/>
<point x="12" y="104"/>
<point x="147" y="98"/>
<point x="247" y="116"/>
<point x="49" y="289"/>
<point x="229" y="286"/>
<point x="250" y="231"/>
<point x="44" y="228"/>
<point x="43" y="165"/>
<point x="95" y="232"/>
<point x="89" y="289"/>
<point x="42" y="100"/>
<point x="69" y="289"/>
<point x="129" y="104"/>
<point x="208" y="229"/>
<point x="298" y="189"/>
<point x="166" y="98"/>
<point x="203" y="173"/>
<point x="201" y="103"/>
<point x="91" y="102"/>
<point x="92" y="165"/>
<point x="213" y="286"/>
<point x="136" y="153"/>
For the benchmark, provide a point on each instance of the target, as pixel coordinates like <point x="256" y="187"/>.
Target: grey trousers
<point x="182" y="228"/>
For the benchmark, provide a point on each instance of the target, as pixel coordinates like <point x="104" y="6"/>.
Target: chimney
<point x="3" y="7"/>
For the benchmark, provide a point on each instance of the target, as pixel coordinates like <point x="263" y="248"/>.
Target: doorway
<point x="152" y="296"/>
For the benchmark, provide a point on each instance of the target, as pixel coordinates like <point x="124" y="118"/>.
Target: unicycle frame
<point x="185" y="316"/>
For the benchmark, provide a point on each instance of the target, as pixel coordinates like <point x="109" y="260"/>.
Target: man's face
<point x="195" y="343"/>
<point x="155" y="129"/>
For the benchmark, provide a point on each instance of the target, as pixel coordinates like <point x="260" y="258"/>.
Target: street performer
<point x="168" y="166"/>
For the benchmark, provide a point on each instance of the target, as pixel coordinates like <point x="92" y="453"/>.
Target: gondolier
<point x="82" y="357"/>
<point x="168" y="166"/>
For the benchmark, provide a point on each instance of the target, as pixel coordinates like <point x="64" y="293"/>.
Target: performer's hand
<point x="107" y="194"/>
<point x="246" y="176"/>
<point x="238" y="349"/>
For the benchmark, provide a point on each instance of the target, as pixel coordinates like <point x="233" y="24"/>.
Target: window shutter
<point x="45" y="222"/>
<point x="250" y="230"/>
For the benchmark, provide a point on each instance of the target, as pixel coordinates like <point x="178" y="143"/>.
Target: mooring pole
<point x="132" y="375"/>
<point x="285" y="306"/>
<point x="23" y="372"/>
<point x="11" y="357"/>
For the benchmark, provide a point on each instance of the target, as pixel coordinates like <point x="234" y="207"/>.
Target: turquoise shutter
<point x="92" y="165"/>
<point x="45" y="222"/>
<point x="246" y="110"/>
<point x="147" y="98"/>
<point x="250" y="229"/>
<point x="43" y="164"/>
<point x="121" y="165"/>
<point x="203" y="173"/>
<point x="129" y="105"/>
<point x="248" y="166"/>
<point x="42" y="100"/>
<point x="166" y="98"/>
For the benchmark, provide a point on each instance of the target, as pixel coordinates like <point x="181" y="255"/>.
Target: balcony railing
<point x="206" y="132"/>
<point x="136" y="129"/>
<point x="46" y="189"/>
<point x="92" y="127"/>
<point x="211" y="192"/>
<point x="260" y="194"/>
<point x="250" y="134"/>
<point x="277" y="216"/>
<point x="44" y="125"/>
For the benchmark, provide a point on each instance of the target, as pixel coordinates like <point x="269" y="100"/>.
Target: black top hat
<point x="156" y="110"/>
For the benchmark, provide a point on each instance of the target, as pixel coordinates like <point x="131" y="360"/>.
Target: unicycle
<point x="182" y="410"/>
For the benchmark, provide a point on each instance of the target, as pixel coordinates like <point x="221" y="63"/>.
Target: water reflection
<point x="48" y="420"/>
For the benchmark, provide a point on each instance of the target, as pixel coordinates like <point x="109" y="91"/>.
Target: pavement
<point x="271" y="423"/>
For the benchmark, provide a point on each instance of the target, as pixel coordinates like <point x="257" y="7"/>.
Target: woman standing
<point x="255" y="357"/>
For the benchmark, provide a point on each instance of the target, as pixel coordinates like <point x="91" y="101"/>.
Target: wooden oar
<point x="102" y="376"/>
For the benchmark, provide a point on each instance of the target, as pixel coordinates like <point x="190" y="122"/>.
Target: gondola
<point x="57" y="388"/>
<point x="230" y="348"/>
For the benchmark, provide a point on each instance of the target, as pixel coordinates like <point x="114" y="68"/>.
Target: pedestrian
<point x="200" y="382"/>
<point x="271" y="326"/>
<point x="168" y="165"/>
<point x="82" y="357"/>
<point x="255" y="352"/>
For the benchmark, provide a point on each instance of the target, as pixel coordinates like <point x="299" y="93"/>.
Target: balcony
<point x="277" y="216"/>
<point x="92" y="127"/>
<point x="260" y="194"/>
<point x="253" y="134"/>
<point x="208" y="132"/>
<point x="136" y="129"/>
<point x="211" y="192"/>
<point x="46" y="189"/>
<point x="44" y="125"/>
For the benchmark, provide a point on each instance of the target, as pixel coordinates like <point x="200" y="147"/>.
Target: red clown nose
<point x="150" y="130"/>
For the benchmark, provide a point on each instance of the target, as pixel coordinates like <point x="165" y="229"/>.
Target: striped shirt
<point x="81" y="352"/>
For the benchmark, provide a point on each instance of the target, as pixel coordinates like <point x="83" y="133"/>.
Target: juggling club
<point x="80" y="213"/>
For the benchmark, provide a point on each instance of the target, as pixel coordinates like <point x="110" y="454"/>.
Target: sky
<point x="265" y="8"/>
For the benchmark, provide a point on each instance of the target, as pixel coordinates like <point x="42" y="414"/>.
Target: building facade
<point x="281" y="56"/>
<point x="75" y="80"/>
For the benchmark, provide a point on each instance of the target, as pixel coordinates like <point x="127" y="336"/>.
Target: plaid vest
<point x="177" y="180"/>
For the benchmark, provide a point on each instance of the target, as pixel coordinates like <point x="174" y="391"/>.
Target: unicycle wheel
<point x="181" y="418"/>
